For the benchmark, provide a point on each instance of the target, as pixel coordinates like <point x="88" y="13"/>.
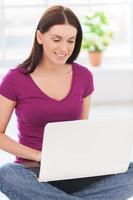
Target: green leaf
<point x="98" y="34"/>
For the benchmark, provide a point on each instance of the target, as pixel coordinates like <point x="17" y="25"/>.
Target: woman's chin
<point x="59" y="62"/>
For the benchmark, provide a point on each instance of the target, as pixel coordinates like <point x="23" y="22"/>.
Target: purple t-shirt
<point x="34" y="109"/>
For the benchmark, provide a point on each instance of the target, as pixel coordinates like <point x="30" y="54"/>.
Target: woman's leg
<point x="18" y="183"/>
<point x="113" y="187"/>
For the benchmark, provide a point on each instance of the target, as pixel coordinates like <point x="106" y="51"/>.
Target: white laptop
<point x="85" y="148"/>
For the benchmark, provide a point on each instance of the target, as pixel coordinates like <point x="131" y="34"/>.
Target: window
<point x="18" y="21"/>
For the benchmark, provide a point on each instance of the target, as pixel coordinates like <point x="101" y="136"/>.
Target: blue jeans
<point x="19" y="183"/>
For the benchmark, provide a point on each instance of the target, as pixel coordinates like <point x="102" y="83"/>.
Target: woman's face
<point x="58" y="43"/>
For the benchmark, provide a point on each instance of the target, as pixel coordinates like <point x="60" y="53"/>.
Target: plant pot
<point x="95" y="58"/>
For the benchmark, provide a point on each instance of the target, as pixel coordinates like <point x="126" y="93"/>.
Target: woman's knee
<point x="127" y="177"/>
<point x="6" y="170"/>
<point x="8" y="174"/>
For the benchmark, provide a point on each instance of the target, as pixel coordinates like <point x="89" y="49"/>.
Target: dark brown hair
<point x="53" y="16"/>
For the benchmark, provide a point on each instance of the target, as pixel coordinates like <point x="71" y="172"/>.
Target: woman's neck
<point x="47" y="66"/>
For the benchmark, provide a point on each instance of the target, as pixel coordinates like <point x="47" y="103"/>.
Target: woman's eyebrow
<point x="54" y="35"/>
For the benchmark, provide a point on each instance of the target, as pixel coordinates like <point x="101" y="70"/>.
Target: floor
<point x="97" y="112"/>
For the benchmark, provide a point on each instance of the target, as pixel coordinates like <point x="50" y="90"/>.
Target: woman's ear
<point x="39" y="37"/>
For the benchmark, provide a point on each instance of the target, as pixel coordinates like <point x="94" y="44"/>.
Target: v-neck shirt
<point x="48" y="96"/>
<point x="34" y="109"/>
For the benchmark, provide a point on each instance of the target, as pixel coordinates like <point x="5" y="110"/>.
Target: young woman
<point x="49" y="87"/>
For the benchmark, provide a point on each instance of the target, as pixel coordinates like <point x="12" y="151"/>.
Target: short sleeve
<point x="7" y="86"/>
<point x="88" y="83"/>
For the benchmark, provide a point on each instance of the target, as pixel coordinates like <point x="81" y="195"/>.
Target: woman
<point x="49" y="87"/>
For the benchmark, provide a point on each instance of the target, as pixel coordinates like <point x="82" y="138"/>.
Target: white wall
<point x="113" y="85"/>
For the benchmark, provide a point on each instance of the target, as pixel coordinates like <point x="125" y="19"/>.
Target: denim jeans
<point x="19" y="183"/>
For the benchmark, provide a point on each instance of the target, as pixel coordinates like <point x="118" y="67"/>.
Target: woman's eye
<point x="56" y="40"/>
<point x="71" y="41"/>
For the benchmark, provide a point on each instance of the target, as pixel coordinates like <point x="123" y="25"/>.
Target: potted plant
<point x="97" y="36"/>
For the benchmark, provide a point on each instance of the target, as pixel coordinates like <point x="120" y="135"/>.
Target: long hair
<point x="53" y="16"/>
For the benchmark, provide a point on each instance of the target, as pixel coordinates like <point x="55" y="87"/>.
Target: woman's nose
<point x="64" y="47"/>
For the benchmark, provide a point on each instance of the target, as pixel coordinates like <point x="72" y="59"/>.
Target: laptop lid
<point x="85" y="148"/>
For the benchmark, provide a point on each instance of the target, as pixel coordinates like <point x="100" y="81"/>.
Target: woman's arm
<point x="6" y="143"/>
<point x="86" y="107"/>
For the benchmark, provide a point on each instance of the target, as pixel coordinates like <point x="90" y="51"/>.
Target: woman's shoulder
<point x="81" y="69"/>
<point x="17" y="69"/>
<point x="15" y="72"/>
<point x="11" y="82"/>
<point x="85" y="78"/>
